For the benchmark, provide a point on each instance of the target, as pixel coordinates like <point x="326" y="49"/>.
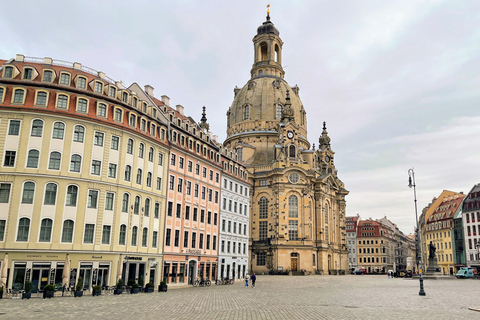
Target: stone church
<point x="297" y="221"/>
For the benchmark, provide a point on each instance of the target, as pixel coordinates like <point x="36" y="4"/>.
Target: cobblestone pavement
<point x="274" y="297"/>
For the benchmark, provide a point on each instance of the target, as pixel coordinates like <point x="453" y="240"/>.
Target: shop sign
<point x="97" y="257"/>
<point x="194" y="251"/>
<point x="132" y="258"/>
<point x="52" y="276"/>
<point x="95" y="275"/>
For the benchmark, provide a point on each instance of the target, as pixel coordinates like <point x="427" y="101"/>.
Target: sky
<point x="398" y="82"/>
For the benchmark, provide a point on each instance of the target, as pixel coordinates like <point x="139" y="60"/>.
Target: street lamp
<point x="411" y="183"/>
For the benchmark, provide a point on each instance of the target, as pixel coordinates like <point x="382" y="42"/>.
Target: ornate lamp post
<point x="411" y="183"/>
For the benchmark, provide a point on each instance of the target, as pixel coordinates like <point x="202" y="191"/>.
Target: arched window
<point x="37" y="128"/>
<point x="291" y="151"/>
<point x="102" y="110"/>
<point x="149" y="179"/>
<point x="136" y="205"/>
<point x="134" y="235"/>
<point x="41" y="99"/>
<point x="139" y="176"/>
<point x="23" y="229"/>
<point x="293" y="206"/>
<point x="72" y="193"/>
<point x="122" y="235"/>
<point x="144" y="237"/>
<point x="147" y="207"/>
<point x="32" y="161"/>
<point x="141" y="150"/>
<point x="150" y="154"/>
<point x="246" y="112"/>
<point x="75" y="163"/>
<point x="82" y="105"/>
<point x="28" y="192"/>
<point x="279" y="111"/>
<point x="62" y="101"/>
<point x="125" y="202"/>
<point x="128" y="173"/>
<point x="263" y="208"/>
<point x="78" y="133"/>
<point x="58" y="130"/>
<point x="46" y="230"/>
<point x="263" y="52"/>
<point x="50" y="193"/>
<point x="67" y="232"/>
<point x="18" y="96"/>
<point x="55" y="159"/>
<point x="326" y="213"/>
<point x="277" y="56"/>
<point x="130" y="146"/>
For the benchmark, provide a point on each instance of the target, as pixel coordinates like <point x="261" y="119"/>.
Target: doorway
<point x="40" y="274"/>
<point x="294" y="261"/>
<point x="191" y="271"/>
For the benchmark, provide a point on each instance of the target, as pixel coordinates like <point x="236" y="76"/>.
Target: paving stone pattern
<point x="274" y="297"/>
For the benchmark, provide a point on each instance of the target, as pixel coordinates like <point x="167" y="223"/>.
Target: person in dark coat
<point x="253" y="278"/>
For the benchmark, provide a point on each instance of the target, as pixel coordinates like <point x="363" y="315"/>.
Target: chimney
<point x="101" y="75"/>
<point x="166" y="100"/>
<point x="149" y="90"/>
<point x="47" y="60"/>
<point x="20" y="58"/>
<point x="179" y="108"/>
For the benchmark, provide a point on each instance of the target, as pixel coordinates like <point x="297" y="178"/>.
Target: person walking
<point x="247" y="277"/>
<point x="253" y="278"/>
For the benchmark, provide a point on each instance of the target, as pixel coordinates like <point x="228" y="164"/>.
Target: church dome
<point x="267" y="27"/>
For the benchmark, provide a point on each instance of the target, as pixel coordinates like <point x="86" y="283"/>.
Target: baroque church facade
<point x="297" y="220"/>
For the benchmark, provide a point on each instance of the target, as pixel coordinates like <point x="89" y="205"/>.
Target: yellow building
<point x="82" y="187"/>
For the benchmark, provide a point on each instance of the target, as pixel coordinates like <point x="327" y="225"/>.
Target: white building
<point x="351" y="224"/>
<point x="471" y="226"/>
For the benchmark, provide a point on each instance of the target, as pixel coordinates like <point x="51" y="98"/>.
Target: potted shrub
<point x="163" y="286"/>
<point x="28" y="290"/>
<point x="119" y="289"/>
<point x="79" y="288"/>
<point x="130" y="283"/>
<point x="48" y="291"/>
<point x="97" y="291"/>
<point x="141" y="282"/>
<point x="1" y="292"/>
<point x="148" y="287"/>
<point x="134" y="288"/>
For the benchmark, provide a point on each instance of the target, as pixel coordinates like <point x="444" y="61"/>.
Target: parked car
<point x="464" y="273"/>
<point x="359" y="271"/>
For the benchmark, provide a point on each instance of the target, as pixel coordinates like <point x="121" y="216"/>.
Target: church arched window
<point x="263" y="208"/>
<point x="246" y="112"/>
<point x="263" y="52"/>
<point x="277" y="54"/>
<point x="326" y="213"/>
<point x="279" y="111"/>
<point x="291" y="151"/>
<point x="293" y="206"/>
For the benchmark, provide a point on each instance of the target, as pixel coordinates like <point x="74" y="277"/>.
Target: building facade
<point x="82" y="188"/>
<point x="351" y="229"/>
<point x="471" y="227"/>
<point x="234" y="217"/>
<point x="375" y="245"/>
<point x="297" y="222"/>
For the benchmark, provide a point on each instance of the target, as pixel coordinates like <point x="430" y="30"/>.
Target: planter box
<point x="48" y="294"/>
<point x="162" y="288"/>
<point x="148" y="289"/>
<point x="26" y="295"/>
<point x="118" y="291"/>
<point x="78" y="294"/>
<point x="134" y="290"/>
<point x="96" y="293"/>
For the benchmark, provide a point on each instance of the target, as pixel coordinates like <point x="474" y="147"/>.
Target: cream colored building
<point x="297" y="220"/>
<point x="82" y="177"/>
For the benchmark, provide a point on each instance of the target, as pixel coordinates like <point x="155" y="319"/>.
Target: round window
<point x="293" y="177"/>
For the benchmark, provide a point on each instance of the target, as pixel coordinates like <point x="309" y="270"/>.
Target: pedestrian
<point x="247" y="277"/>
<point x="253" y="278"/>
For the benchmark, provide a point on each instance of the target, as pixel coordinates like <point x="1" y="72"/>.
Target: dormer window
<point x="65" y="79"/>
<point x="125" y="97"/>
<point x="112" y="92"/>
<point x="47" y="76"/>
<point x="27" y="74"/>
<point x="144" y="107"/>
<point x="134" y="102"/>
<point x="98" y="87"/>
<point x="8" y="73"/>
<point x="82" y="83"/>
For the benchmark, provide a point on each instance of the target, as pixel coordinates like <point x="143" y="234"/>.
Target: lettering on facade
<point x="34" y="255"/>
<point x="132" y="258"/>
<point x="194" y="251"/>
<point x="97" y="257"/>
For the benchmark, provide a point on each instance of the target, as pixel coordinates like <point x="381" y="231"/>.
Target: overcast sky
<point x="398" y="82"/>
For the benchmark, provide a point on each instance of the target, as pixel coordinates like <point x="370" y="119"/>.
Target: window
<point x="122" y="235"/>
<point x="125" y="202"/>
<point x="14" y="127"/>
<point x="128" y="173"/>
<point x="41" y="98"/>
<point x="28" y="192"/>
<point x="62" y="101"/>
<point x="112" y="91"/>
<point x="72" y="193"/>
<point x="293" y="206"/>
<point x="96" y="167"/>
<point x="246" y="112"/>
<point x="143" y="125"/>
<point x="89" y="230"/>
<point x="18" y="96"/>
<point x="141" y="150"/>
<point x="92" y="199"/>
<point x="159" y="183"/>
<point x="262" y="230"/>
<point x="194" y="240"/>
<point x="204" y="172"/>
<point x="150" y="154"/>
<point x="75" y="163"/>
<point x="160" y="159"/>
<point x="263" y="208"/>
<point x="32" y="160"/>
<point x="98" y="87"/>
<point x="214" y="243"/>
<point x="156" y="211"/>
<point x="195" y="214"/>
<point x="109" y="197"/>
<point x="47" y="76"/>
<point x="130" y="146"/>
<point x="65" y="79"/>
<point x="45" y="230"/>
<point x="27" y="74"/>
<point x="37" y="128"/>
<point x="200" y="241"/>
<point x="139" y="176"/>
<point x="185" y="239"/>
<point x="82" y="105"/>
<point x="170" y="209"/>
<point x="180" y="185"/>
<point x="78" y="134"/>
<point x="176" y="241"/>
<point x="144" y="237"/>
<point x="179" y="210"/>
<point x="173" y="159"/>
<point x="187" y="213"/>
<point x="98" y="140"/>
<point x="133" y="120"/>
<point x="55" y="159"/>
<point x="102" y="110"/>
<point x="23" y="229"/>
<point x="82" y="83"/>
<point x="9" y="158"/>
<point x="203" y="192"/>
<point x="8" y="72"/>
<point x="209" y="217"/>
<point x="118" y="115"/>
<point x="112" y="170"/>
<point x="261" y="257"/>
<point x="134" y="235"/>
<point x="154" y="239"/>
<point x="168" y="235"/>
<point x="125" y="97"/>
<point x="136" y="205"/>
<point x="50" y="194"/>
<point x="171" y="183"/>
<point x="58" y="130"/>
<point x="106" y="234"/>
<point x="147" y="207"/>
<point x="293" y="230"/>
<point x="67" y="232"/>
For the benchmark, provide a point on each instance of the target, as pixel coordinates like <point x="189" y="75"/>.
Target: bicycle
<point x="202" y="283"/>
